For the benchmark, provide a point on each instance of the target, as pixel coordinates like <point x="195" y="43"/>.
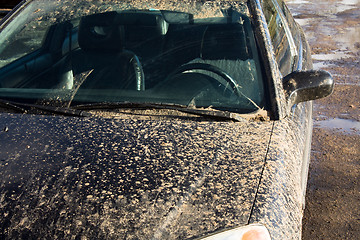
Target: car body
<point x="154" y="120"/>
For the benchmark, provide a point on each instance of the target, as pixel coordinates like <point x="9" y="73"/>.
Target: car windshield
<point x="199" y="54"/>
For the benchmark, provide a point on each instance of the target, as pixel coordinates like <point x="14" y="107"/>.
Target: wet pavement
<point x="338" y="124"/>
<point x="333" y="196"/>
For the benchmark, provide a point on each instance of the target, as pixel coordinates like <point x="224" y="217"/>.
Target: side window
<point x="291" y="22"/>
<point x="280" y="36"/>
<point x="21" y="37"/>
<point x="15" y="46"/>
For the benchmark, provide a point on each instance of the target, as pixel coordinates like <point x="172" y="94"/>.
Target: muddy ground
<point x="333" y="196"/>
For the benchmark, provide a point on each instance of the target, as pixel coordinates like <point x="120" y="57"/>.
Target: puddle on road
<point x="330" y="56"/>
<point x="324" y="60"/>
<point x="348" y="83"/>
<point x="298" y="1"/>
<point x="324" y="7"/>
<point x="349" y="39"/>
<point x="343" y="125"/>
<point x="350" y="2"/>
<point x="317" y="65"/>
<point x="342" y="7"/>
<point x="302" y="21"/>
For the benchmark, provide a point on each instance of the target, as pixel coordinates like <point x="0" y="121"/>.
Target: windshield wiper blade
<point x="208" y="113"/>
<point x="26" y="107"/>
<point x="12" y="105"/>
<point x="61" y="110"/>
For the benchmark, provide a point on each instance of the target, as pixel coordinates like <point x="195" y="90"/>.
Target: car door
<point x="289" y="46"/>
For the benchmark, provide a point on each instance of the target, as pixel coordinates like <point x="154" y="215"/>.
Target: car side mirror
<point x="309" y="85"/>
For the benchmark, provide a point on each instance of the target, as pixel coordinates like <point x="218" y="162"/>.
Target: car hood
<point x="66" y="177"/>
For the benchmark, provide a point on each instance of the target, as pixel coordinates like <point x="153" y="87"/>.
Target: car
<point x="161" y="119"/>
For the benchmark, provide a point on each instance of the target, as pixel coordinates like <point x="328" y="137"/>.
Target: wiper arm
<point x="209" y="113"/>
<point x="25" y="107"/>
<point x="13" y="106"/>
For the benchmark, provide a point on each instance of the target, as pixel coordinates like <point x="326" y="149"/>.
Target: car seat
<point x="228" y="47"/>
<point x="103" y="41"/>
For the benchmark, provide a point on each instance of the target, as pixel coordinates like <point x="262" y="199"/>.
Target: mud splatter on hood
<point x="63" y="177"/>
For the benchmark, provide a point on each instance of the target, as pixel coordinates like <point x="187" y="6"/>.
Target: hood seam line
<point x="261" y="174"/>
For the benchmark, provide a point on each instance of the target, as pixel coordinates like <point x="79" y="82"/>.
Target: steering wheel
<point x="125" y="66"/>
<point x="210" y="68"/>
<point x="138" y="70"/>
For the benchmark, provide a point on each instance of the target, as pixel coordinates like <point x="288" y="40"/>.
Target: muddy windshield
<point x="79" y="52"/>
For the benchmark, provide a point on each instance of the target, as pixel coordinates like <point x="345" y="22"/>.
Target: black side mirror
<point x="307" y="85"/>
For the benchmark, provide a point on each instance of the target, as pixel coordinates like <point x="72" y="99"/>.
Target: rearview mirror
<point x="307" y="85"/>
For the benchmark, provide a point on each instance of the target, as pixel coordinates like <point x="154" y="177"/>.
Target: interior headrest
<point x="114" y="31"/>
<point x="225" y="41"/>
<point x="101" y="32"/>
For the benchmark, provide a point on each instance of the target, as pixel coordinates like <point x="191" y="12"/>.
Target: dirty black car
<point x="161" y="119"/>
